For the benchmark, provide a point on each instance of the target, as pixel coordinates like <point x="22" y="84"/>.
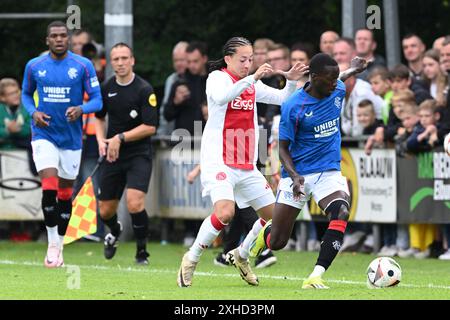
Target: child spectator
<point x="394" y="125"/>
<point x="15" y="122"/>
<point x="409" y="119"/>
<point x="15" y="130"/>
<point x="356" y="91"/>
<point x="367" y="118"/>
<point x="422" y="139"/>
<point x="421" y="235"/>
<point x="403" y="107"/>
<point x="381" y="86"/>
<point x="424" y="136"/>
<point x="15" y="133"/>
<point x="397" y="130"/>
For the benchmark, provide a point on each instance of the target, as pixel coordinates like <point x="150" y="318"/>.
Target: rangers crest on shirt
<point x="338" y="102"/>
<point x="73" y="73"/>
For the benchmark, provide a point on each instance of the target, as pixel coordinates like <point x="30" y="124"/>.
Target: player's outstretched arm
<point x="357" y="65"/>
<point x="288" y="164"/>
<point x="266" y="94"/>
<point x="221" y="90"/>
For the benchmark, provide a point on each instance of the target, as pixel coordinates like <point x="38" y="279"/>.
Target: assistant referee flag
<point x="84" y="214"/>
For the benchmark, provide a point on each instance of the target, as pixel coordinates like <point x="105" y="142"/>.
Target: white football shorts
<point x="47" y="155"/>
<point x="317" y="185"/>
<point x="248" y="188"/>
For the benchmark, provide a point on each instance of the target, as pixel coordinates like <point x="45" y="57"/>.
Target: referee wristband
<point x="122" y="137"/>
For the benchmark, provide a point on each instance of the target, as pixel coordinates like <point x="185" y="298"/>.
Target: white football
<point x="383" y="272"/>
<point x="447" y="144"/>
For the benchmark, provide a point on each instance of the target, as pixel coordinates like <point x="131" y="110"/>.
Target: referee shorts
<point x="133" y="172"/>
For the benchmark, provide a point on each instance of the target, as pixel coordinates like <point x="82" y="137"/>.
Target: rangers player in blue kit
<point x="60" y="79"/>
<point x="310" y="152"/>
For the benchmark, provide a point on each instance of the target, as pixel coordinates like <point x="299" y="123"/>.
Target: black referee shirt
<point x="128" y="107"/>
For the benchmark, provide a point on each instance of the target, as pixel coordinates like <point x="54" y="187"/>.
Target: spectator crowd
<point x="406" y="107"/>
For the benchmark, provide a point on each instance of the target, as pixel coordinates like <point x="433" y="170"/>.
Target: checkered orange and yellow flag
<point x="84" y="214"/>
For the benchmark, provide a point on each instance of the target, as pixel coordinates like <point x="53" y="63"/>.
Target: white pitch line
<point x="212" y="274"/>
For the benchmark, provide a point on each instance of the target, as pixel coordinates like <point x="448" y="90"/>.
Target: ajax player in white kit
<point x="229" y="152"/>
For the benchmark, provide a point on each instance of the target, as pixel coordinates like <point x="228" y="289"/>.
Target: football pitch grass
<point x="23" y="276"/>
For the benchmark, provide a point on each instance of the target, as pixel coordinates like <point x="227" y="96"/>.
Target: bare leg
<point x="283" y="222"/>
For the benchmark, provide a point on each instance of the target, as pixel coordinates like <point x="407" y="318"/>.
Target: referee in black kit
<point x="130" y="104"/>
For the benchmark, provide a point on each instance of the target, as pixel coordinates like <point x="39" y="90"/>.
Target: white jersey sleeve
<point x="221" y="89"/>
<point x="269" y="95"/>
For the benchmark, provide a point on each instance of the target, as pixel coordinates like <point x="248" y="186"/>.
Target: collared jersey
<point x="60" y="84"/>
<point x="231" y="133"/>
<point x="312" y="127"/>
<point x="129" y="106"/>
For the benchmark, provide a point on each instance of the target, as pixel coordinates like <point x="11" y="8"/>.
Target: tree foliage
<point x="159" y="24"/>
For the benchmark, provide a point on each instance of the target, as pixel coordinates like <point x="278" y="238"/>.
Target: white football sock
<point x="61" y="241"/>
<point x="205" y="237"/>
<point x="52" y="235"/>
<point x="317" y="272"/>
<point x="244" y="248"/>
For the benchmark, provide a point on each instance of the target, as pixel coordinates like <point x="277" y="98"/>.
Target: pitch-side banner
<point x="424" y="188"/>
<point x="20" y="191"/>
<point x="170" y="194"/>
<point x="372" y="185"/>
<point x="371" y="182"/>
